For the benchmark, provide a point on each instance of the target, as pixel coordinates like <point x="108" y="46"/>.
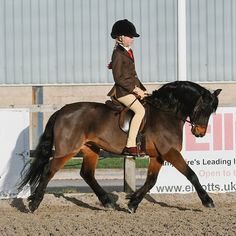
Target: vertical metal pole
<point x="182" y="41"/>
<point x="37" y="117"/>
<point x="129" y="175"/>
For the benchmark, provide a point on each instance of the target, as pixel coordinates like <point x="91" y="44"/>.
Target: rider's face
<point x="127" y="41"/>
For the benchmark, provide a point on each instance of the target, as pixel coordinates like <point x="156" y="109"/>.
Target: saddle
<point x="125" y="115"/>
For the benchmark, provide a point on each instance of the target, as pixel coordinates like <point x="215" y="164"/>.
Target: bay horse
<point x="88" y="127"/>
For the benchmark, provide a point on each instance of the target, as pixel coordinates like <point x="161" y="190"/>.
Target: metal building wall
<point x="211" y="40"/>
<point x="68" y="41"/>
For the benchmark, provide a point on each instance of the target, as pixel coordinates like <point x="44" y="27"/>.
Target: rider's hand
<point x="142" y="94"/>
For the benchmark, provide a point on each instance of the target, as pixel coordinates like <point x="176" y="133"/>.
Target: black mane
<point x="182" y="95"/>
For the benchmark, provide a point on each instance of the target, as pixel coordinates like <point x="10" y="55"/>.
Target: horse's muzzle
<point x="199" y="130"/>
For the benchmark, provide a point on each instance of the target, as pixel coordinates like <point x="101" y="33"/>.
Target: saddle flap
<point x="125" y="115"/>
<point x="125" y="118"/>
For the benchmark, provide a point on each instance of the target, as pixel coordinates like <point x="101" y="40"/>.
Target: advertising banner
<point x="14" y="151"/>
<point x="212" y="158"/>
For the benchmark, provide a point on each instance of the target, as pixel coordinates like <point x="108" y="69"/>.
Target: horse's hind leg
<point x="87" y="172"/>
<point x="153" y="170"/>
<point x="176" y="159"/>
<point x="49" y="171"/>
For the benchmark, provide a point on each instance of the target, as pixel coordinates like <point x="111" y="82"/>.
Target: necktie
<point x="131" y="53"/>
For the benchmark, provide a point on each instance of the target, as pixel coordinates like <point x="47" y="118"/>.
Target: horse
<point x="88" y="127"/>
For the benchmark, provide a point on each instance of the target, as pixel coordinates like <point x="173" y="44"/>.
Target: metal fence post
<point x="37" y="117"/>
<point x="182" y="41"/>
<point x="129" y="174"/>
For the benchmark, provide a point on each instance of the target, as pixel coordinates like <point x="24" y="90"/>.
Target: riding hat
<point x="123" y="27"/>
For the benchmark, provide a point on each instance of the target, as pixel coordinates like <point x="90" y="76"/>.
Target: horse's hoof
<point x="209" y="205"/>
<point x="32" y="207"/>
<point x="131" y="210"/>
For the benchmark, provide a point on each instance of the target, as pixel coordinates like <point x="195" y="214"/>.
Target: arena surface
<point x="82" y="214"/>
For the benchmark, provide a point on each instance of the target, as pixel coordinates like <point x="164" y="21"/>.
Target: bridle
<point x="194" y="112"/>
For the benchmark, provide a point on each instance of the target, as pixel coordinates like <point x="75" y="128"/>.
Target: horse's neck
<point x="178" y="101"/>
<point x="188" y="101"/>
<point x="184" y="107"/>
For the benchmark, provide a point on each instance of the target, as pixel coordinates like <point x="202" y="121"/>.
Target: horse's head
<point x="204" y="107"/>
<point x="187" y="99"/>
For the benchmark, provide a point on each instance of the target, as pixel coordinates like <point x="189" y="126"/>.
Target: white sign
<point x="14" y="151"/>
<point x="212" y="158"/>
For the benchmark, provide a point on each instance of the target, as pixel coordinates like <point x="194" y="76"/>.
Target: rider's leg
<point x="139" y="113"/>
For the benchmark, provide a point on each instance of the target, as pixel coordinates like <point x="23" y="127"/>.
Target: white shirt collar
<point x="126" y="48"/>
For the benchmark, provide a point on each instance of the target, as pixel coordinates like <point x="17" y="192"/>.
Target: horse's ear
<point x="217" y="92"/>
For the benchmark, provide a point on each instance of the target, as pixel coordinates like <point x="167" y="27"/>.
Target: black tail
<point x="42" y="155"/>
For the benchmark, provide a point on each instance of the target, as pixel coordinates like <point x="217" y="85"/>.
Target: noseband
<point x="194" y="113"/>
<point x="190" y="122"/>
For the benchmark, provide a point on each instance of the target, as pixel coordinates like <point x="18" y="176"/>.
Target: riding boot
<point x="132" y="151"/>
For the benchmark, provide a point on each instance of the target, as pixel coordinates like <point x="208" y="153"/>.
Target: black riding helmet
<point x="123" y="27"/>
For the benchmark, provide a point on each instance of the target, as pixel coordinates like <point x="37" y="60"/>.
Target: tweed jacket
<point x="124" y="74"/>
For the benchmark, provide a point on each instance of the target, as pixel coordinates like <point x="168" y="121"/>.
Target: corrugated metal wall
<point x="211" y="40"/>
<point x="68" y="41"/>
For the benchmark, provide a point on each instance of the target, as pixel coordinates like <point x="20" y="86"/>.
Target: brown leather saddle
<point x="125" y="115"/>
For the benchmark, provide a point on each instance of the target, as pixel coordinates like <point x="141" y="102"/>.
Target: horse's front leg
<point x="153" y="170"/>
<point x="88" y="171"/>
<point x="176" y="159"/>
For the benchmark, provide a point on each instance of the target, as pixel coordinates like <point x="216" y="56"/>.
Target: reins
<point x="157" y="107"/>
